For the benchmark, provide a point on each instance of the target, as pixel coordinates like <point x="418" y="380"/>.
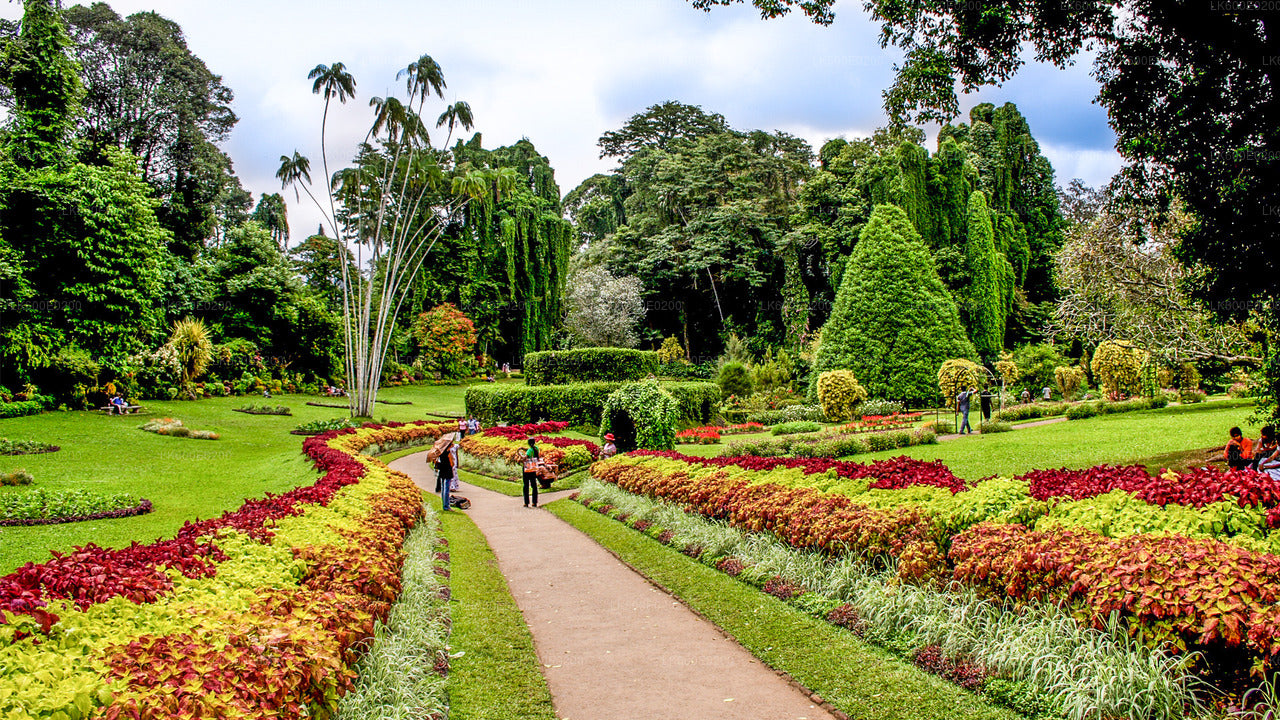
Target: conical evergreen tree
<point x="894" y="323"/>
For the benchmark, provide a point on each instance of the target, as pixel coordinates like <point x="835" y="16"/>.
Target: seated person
<point x="118" y="405"/>
<point x="1239" y="451"/>
<point x="610" y="449"/>
<point x="1266" y="454"/>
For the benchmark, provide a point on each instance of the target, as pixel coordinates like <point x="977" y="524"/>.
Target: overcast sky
<point x="561" y="72"/>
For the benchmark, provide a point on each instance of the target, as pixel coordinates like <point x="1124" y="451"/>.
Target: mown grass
<point x="861" y="680"/>
<point x="497" y="675"/>
<point x="185" y="479"/>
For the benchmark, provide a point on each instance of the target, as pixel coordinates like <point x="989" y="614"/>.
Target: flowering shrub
<point x="698" y="436"/>
<point x="447" y="337"/>
<point x="509" y="443"/>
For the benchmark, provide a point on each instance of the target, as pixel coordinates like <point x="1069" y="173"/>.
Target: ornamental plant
<point x="447" y="338"/>
<point x="894" y="322"/>
<point x="1117" y="366"/>
<point x="840" y="395"/>
<point x="957" y="375"/>
<point x="1069" y="379"/>
<point x="642" y="413"/>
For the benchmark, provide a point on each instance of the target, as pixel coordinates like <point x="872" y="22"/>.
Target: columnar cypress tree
<point x="984" y="297"/>
<point x="894" y="323"/>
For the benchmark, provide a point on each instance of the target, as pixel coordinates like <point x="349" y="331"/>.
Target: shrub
<point x="882" y="407"/>
<point x="190" y="340"/>
<point x="1191" y="396"/>
<point x="944" y="427"/>
<point x="319" y="426"/>
<point x="671" y="351"/>
<point x="894" y="322"/>
<point x="17" y="477"/>
<point x="1117" y="366"/>
<point x="958" y="375"/>
<point x="578" y="404"/>
<point x="1008" y="370"/>
<point x="641" y="415"/>
<point x="1069" y="380"/>
<point x="993" y="426"/>
<point x="792" y="413"/>
<point x="1029" y="412"/>
<point x="735" y="380"/>
<point x="1239" y="390"/>
<point x="792" y="428"/>
<point x="561" y="367"/>
<point x="840" y="394"/>
<point x="20" y="408"/>
<point x="447" y="338"/>
<point x="1082" y="411"/>
<point x="25" y="447"/>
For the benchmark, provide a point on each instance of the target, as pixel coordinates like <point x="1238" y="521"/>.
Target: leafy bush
<point x="319" y="426"/>
<point x="20" y="408"/>
<point x="735" y="379"/>
<point x="882" y="407"/>
<point x="944" y="427"/>
<point x="25" y="447"/>
<point x="264" y="409"/>
<point x="447" y="338"/>
<point x="671" y="351"/>
<point x="578" y="404"/>
<point x="559" y="367"/>
<point x="642" y="415"/>
<point x="958" y="375"/>
<point x="1069" y="380"/>
<point x="993" y="426"/>
<point x="1117" y="366"/>
<point x="792" y="428"/>
<point x="1187" y="397"/>
<point x="1029" y="412"/>
<point x="840" y="394"/>
<point x="1082" y="411"/>
<point x="17" y="477"/>
<point x="76" y="504"/>
<point x="1239" y="390"/>
<point x="792" y="413"/>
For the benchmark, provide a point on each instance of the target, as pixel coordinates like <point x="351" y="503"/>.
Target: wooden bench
<point x="125" y="410"/>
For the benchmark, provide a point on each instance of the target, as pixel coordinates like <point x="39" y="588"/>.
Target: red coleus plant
<point x="1195" y="488"/>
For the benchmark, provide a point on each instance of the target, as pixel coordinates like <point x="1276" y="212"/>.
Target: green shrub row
<point x="20" y="408"/>
<point x="792" y="413"/>
<point x="578" y="404"/>
<point x="1102" y="407"/>
<point x="561" y="367"/>
<point x="818" y="445"/>
<point x="791" y="428"/>
<point x="1015" y="413"/>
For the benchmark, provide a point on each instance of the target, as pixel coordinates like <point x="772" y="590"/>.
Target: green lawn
<point x="1148" y="436"/>
<point x="185" y="479"/>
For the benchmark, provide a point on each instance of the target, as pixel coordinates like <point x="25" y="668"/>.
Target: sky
<point x="561" y="72"/>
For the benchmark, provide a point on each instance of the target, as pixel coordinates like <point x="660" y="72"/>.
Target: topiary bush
<point x="735" y="379"/>
<point x="840" y="395"/>
<point x="559" y="367"/>
<point x="579" y="403"/>
<point x="957" y="375"/>
<point x="894" y="322"/>
<point x="1069" y="379"/>
<point x="641" y="415"/>
<point x="1117" y="366"/>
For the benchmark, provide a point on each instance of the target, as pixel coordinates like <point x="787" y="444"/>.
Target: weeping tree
<point x="389" y="208"/>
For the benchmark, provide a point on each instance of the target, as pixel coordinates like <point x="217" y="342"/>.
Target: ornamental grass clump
<point x="174" y="428"/>
<point x="17" y="477"/>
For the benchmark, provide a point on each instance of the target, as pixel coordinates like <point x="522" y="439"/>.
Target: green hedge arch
<point x="641" y="415"/>
<point x="558" y="367"/>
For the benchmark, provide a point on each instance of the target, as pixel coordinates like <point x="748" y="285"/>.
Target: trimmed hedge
<point x="561" y="367"/>
<point x="1103" y="407"/>
<point x="579" y="403"/>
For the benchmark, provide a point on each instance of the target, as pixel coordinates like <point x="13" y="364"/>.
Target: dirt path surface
<point x="611" y="644"/>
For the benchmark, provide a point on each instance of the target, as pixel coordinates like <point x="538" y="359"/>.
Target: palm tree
<point x="458" y="113"/>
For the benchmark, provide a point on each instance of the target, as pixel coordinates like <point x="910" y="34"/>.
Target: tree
<point x="392" y="205"/>
<point x="840" y="395"/>
<point x="1119" y="278"/>
<point x="146" y="93"/>
<point x="44" y="88"/>
<point x="985" y="294"/>
<point x="273" y="216"/>
<point x="190" y="341"/>
<point x="893" y="322"/>
<point x="658" y="127"/>
<point x="320" y="261"/>
<point x="603" y="309"/>
<point x="447" y="338"/>
<point x="1190" y="92"/>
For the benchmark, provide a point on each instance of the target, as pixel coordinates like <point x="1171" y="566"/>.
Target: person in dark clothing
<point x="962" y="402"/>
<point x="985" y="402"/>
<point x="531" y="460"/>
<point x="445" y="475"/>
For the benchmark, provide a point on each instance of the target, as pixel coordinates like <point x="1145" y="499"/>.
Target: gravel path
<point x="611" y="644"/>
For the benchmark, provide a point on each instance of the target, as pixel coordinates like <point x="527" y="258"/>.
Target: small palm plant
<point x="190" y="339"/>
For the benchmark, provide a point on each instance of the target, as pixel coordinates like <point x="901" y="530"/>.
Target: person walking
<point x="985" y="403"/>
<point x="962" y="401"/>
<point x="531" y="460"/>
<point x="462" y="427"/>
<point x="446" y="474"/>
<point x="473" y="426"/>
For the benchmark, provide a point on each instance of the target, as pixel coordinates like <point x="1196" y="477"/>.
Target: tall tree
<point x="984" y="296"/>
<point x="43" y="87"/>
<point x="659" y="126"/>
<point x="273" y="215"/>
<point x="1191" y="91"/>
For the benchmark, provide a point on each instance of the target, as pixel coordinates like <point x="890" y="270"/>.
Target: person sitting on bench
<point x="118" y="405"/>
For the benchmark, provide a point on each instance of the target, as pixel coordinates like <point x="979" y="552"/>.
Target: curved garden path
<point x="611" y="644"/>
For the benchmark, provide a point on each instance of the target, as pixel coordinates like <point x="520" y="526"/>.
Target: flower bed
<point x="258" y="613"/>
<point x="173" y="427"/>
<point x="44" y="507"/>
<point x="508" y="444"/>
<point x="1184" y="592"/>
<point x="316" y="427"/>
<point x="876" y="423"/>
<point x="698" y="436"/>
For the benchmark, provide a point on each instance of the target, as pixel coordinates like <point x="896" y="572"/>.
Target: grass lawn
<point x="863" y="681"/>
<point x="185" y="479"/>
<point x="1149" y="436"/>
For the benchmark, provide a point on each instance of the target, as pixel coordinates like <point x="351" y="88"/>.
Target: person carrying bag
<point x="446" y="475"/>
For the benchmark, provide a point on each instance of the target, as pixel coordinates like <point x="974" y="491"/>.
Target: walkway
<point x="1016" y="426"/>
<point x="611" y="644"/>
